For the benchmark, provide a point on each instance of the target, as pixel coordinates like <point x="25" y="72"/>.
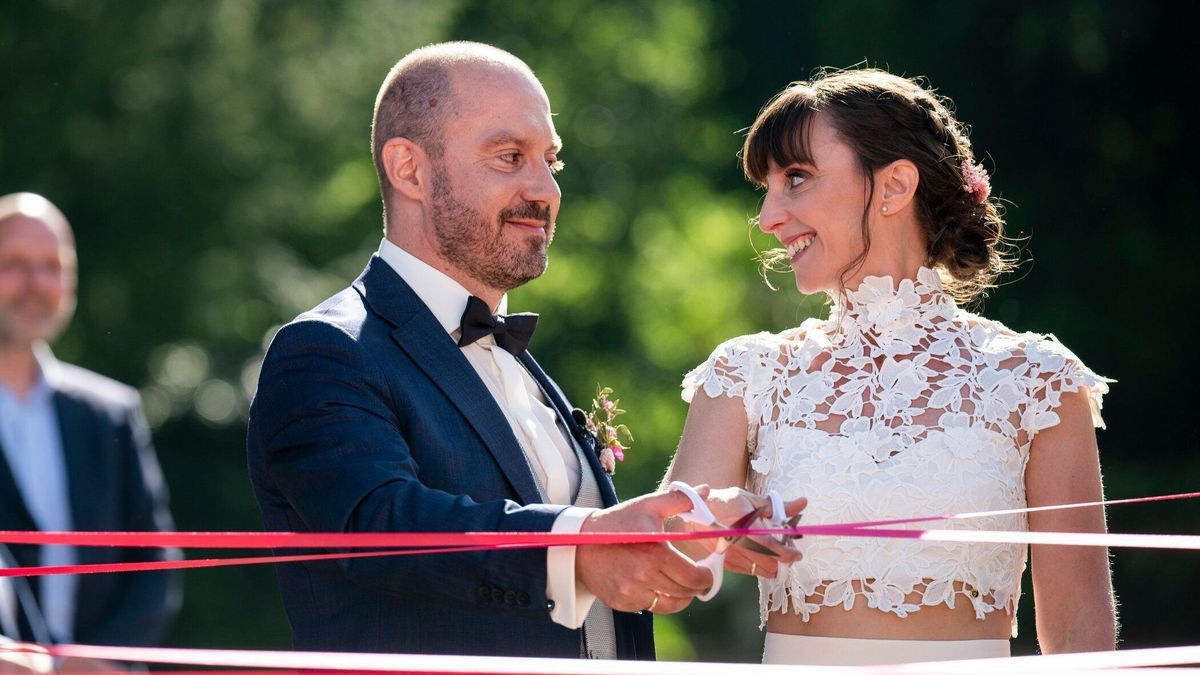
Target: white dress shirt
<point x="8" y="608"/>
<point x="551" y="457"/>
<point x="32" y="442"/>
<point x="10" y="632"/>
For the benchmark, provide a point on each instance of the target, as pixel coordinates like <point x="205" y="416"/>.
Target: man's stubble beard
<point x="469" y="241"/>
<point x="13" y="335"/>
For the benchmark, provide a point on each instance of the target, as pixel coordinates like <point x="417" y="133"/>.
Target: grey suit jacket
<point x="114" y="484"/>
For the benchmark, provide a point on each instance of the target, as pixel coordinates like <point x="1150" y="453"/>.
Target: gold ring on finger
<point x="653" y="602"/>
<point x="753" y="568"/>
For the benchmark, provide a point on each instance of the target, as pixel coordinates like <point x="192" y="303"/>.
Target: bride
<point x="901" y="403"/>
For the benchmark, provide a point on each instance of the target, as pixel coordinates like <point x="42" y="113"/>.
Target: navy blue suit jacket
<point x="114" y="485"/>
<point x="368" y="418"/>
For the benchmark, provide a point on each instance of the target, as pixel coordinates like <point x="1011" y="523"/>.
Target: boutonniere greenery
<point x="612" y="439"/>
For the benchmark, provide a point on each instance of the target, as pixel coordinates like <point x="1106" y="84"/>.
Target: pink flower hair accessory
<point x="975" y="181"/>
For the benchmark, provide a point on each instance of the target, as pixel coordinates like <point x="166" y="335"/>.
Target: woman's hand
<point x="735" y="508"/>
<point x="754" y="555"/>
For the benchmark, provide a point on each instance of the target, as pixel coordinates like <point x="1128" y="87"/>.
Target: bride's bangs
<point x="780" y="134"/>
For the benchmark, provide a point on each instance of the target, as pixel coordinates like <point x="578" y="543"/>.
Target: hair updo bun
<point x="883" y="118"/>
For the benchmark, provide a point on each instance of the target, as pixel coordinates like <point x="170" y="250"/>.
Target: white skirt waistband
<point x="783" y="649"/>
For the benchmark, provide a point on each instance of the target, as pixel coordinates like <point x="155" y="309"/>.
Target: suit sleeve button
<point x="510" y="597"/>
<point x="497" y="595"/>
<point x="523" y="599"/>
<point x="485" y="593"/>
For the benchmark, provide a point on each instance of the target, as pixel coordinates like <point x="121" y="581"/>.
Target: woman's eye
<point x="795" y="178"/>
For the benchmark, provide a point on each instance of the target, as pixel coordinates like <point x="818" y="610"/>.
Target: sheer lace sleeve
<point x="726" y="372"/>
<point x="733" y="368"/>
<point x="737" y="368"/>
<point x="1056" y="371"/>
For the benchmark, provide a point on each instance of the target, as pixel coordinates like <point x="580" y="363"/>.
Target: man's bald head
<point x="418" y="96"/>
<point x="37" y="270"/>
<point x="35" y="207"/>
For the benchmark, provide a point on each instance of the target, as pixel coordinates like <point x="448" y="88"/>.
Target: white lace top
<point x="899" y="405"/>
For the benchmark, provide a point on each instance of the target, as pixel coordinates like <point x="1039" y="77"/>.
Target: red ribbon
<point x="459" y="542"/>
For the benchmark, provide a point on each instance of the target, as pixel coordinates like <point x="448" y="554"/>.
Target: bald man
<point x="409" y="402"/>
<point x="76" y="452"/>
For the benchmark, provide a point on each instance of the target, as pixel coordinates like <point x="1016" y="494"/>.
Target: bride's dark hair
<point x="883" y="118"/>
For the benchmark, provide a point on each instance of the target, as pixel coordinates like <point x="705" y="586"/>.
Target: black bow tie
<point x="512" y="332"/>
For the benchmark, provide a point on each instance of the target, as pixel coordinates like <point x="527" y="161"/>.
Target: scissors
<point x="702" y="515"/>
<point x="748" y="543"/>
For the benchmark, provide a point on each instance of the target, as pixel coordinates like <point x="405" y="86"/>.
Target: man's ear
<point x="899" y="182"/>
<point x="403" y="164"/>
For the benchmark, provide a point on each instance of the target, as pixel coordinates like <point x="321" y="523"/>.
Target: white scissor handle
<point x="700" y="514"/>
<point x="777" y="515"/>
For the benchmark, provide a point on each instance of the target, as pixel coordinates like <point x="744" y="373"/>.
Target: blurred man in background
<point x="75" y="451"/>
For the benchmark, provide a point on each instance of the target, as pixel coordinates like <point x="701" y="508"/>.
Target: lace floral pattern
<point x="899" y="405"/>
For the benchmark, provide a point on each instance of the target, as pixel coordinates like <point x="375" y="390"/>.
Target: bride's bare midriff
<point x="937" y="622"/>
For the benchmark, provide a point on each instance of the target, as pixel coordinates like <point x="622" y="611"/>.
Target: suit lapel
<point x="14" y="515"/>
<point x="608" y="492"/>
<point x="75" y="425"/>
<point x="420" y="335"/>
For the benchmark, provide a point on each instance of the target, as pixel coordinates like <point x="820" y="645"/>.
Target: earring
<point x="885" y="209"/>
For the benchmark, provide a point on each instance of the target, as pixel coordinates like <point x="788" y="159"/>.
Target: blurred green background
<point x="214" y="160"/>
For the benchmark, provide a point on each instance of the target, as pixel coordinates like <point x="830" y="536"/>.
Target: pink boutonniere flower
<point x="611" y="439"/>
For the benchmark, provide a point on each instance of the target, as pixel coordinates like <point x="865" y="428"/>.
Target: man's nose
<point x="541" y="187"/>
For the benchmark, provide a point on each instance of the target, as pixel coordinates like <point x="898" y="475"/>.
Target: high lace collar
<point x="880" y="307"/>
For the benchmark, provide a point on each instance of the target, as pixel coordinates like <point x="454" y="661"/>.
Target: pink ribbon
<point x="451" y="542"/>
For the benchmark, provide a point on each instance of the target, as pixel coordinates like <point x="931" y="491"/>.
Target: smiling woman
<point x="835" y="135"/>
<point x="901" y="404"/>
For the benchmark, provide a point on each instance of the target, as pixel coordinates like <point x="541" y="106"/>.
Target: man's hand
<point x="20" y="657"/>
<point x="633" y="577"/>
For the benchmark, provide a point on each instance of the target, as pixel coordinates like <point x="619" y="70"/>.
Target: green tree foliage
<point x="214" y="160"/>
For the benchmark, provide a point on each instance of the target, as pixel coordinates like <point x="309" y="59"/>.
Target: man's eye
<point x="511" y="157"/>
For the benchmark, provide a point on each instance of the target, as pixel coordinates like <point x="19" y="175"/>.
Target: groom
<point x="404" y="403"/>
